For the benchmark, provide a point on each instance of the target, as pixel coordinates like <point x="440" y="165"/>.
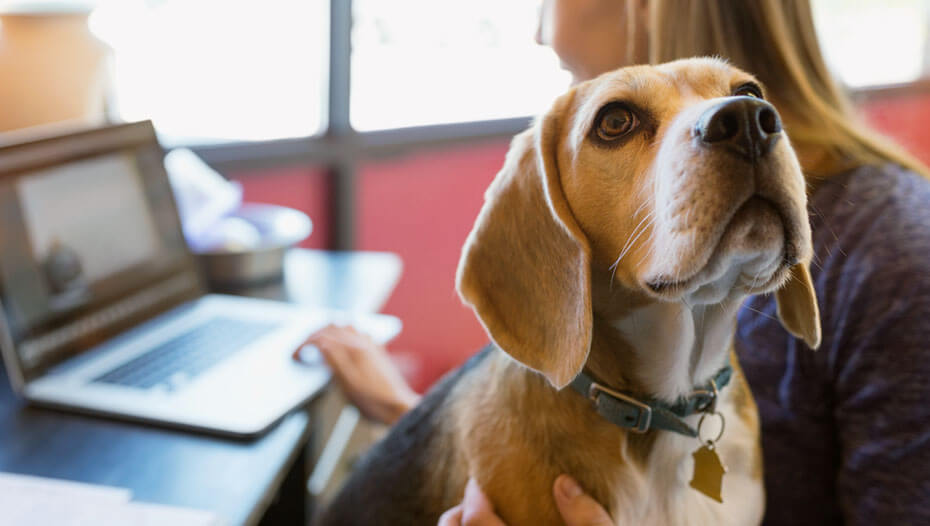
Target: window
<point x="216" y="70"/>
<point x="421" y="62"/>
<point x="232" y="70"/>
<point x="871" y="42"/>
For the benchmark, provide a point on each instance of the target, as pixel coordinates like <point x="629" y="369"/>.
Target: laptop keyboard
<point x="188" y="354"/>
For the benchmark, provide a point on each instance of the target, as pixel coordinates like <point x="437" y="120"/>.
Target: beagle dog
<point x="607" y="265"/>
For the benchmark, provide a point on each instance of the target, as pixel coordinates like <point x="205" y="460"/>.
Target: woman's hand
<point x="365" y="371"/>
<point x="576" y="508"/>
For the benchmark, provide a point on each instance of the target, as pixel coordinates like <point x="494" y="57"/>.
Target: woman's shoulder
<point x="878" y="215"/>
<point x="885" y="192"/>
<point x="871" y="233"/>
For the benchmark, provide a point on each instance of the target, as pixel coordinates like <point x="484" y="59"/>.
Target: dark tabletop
<point x="236" y="479"/>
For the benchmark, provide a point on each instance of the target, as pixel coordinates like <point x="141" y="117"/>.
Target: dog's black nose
<point x="746" y="126"/>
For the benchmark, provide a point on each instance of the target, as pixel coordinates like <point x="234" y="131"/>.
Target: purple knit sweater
<point x="846" y="429"/>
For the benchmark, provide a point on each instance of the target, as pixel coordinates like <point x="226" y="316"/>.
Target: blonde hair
<point x="775" y="40"/>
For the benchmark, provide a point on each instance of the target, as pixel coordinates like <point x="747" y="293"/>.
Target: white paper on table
<point x="27" y="500"/>
<point x="13" y="486"/>
<point x="74" y="511"/>
<point x="144" y="514"/>
<point x="37" y="500"/>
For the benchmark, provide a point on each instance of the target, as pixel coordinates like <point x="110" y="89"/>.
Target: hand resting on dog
<point x="576" y="507"/>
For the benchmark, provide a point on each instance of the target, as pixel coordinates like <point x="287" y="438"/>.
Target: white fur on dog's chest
<point x="660" y="493"/>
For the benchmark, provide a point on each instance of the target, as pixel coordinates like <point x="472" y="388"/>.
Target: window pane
<point x="208" y="70"/>
<point x="419" y="62"/>
<point x="868" y="42"/>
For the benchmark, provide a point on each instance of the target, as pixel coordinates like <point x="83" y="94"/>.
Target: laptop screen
<point x="88" y="247"/>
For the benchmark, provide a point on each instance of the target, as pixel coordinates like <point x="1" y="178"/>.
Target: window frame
<point x="338" y="148"/>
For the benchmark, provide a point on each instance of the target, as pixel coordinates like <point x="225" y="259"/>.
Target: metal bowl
<point x="279" y="228"/>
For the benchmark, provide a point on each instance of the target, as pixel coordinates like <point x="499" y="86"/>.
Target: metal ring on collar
<point x="723" y="425"/>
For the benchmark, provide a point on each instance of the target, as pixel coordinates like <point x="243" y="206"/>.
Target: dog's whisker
<point x="642" y="227"/>
<point x="640" y="208"/>
<point x="754" y="279"/>
<point x="630" y="240"/>
<point x="830" y="228"/>
<point x="632" y="243"/>
<point x="767" y="315"/>
<point x="649" y="252"/>
<point x="650" y="221"/>
<point x="645" y="255"/>
<point x="627" y="243"/>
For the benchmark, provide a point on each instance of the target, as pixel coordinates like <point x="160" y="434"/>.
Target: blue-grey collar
<point x="641" y="413"/>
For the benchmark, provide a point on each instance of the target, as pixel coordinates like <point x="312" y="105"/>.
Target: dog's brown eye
<point x="615" y="123"/>
<point x="749" y="89"/>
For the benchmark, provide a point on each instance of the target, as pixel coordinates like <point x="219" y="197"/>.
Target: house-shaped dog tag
<point x="708" y="472"/>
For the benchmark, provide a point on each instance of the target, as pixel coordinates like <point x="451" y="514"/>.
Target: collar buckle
<point x="644" y="416"/>
<point x="708" y="402"/>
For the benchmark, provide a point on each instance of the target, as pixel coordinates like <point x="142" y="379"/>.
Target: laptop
<point x="103" y="308"/>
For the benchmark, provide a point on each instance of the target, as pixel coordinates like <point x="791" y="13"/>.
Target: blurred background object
<point x="251" y="244"/>
<point x="237" y="244"/>
<point x="423" y="62"/>
<point x="218" y="70"/>
<point x="871" y="42"/>
<point x="53" y="67"/>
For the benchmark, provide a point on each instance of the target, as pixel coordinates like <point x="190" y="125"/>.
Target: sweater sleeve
<point x="880" y="367"/>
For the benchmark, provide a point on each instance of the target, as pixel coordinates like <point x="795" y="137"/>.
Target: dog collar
<point x="641" y="414"/>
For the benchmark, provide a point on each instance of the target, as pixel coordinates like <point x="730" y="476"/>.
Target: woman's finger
<point x="339" y="363"/>
<point x="477" y="509"/>
<point x="306" y="342"/>
<point x="313" y="339"/>
<point x="452" y="517"/>
<point x="576" y="507"/>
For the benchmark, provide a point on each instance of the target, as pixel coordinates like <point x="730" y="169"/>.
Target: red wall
<point x="422" y="205"/>
<point x="905" y="118"/>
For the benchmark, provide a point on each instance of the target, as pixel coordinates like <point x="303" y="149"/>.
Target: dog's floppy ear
<point x="525" y="266"/>
<point x="797" y="306"/>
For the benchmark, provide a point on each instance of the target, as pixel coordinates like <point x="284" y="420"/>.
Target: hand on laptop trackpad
<point x="309" y="354"/>
<point x="379" y="328"/>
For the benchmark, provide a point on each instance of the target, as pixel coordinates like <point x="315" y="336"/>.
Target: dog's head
<point x="678" y="178"/>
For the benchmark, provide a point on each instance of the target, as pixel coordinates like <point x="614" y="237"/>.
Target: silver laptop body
<point x="103" y="306"/>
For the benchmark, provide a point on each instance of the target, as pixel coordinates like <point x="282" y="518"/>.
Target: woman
<point x="845" y="430"/>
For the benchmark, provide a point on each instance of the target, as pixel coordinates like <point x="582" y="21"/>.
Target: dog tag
<point x="708" y="472"/>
